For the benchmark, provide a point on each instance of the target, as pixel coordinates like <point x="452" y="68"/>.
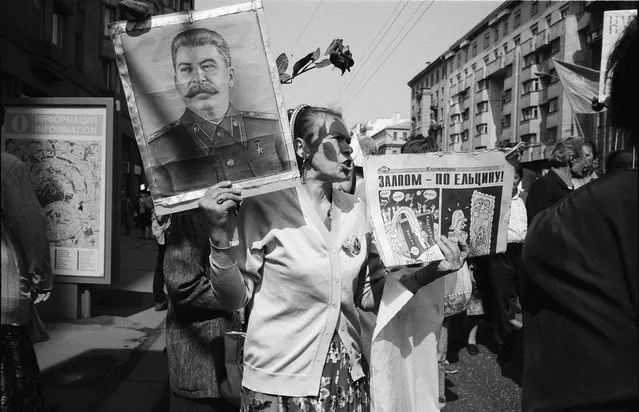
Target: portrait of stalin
<point x="212" y="141"/>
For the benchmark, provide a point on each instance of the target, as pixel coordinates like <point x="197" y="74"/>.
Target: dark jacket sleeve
<point x="186" y="268"/>
<point x="538" y="199"/>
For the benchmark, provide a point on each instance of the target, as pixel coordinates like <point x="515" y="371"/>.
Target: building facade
<point x="391" y="138"/>
<point x="61" y="48"/>
<point x="496" y="86"/>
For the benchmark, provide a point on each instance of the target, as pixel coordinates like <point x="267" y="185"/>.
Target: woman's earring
<point x="303" y="170"/>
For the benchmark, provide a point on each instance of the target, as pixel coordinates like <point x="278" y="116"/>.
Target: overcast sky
<point x="376" y="85"/>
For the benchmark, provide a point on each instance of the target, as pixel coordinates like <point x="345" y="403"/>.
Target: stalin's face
<point x="204" y="80"/>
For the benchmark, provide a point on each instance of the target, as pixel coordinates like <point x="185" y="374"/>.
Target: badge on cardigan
<point x="352" y="245"/>
<point x="258" y="149"/>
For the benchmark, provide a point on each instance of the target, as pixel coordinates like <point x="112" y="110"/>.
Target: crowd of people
<point x="295" y="268"/>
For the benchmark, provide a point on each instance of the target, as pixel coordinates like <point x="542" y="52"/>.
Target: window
<point x="534" y="29"/>
<point x="108" y="16"/>
<point x="473" y="51"/>
<point x="459" y="60"/>
<point x="394" y="135"/>
<point x="404" y="135"/>
<point x="549" y="20"/>
<point x="427" y="84"/>
<point x="551" y="134"/>
<point x="187" y="5"/>
<point x="564" y="12"/>
<point x="482" y="85"/>
<point x="553" y="105"/>
<point x="486" y="40"/>
<point x="481" y="128"/>
<point x="456" y="118"/>
<point x="496" y="34"/>
<point x="437" y="76"/>
<point x="531" y="85"/>
<point x="517" y="40"/>
<point x="553" y="77"/>
<point x="482" y="107"/>
<point x="505" y="121"/>
<point x="464" y="135"/>
<point x="517" y="19"/>
<point x="454" y="138"/>
<point x="534" y="7"/>
<point x="529" y="113"/>
<point x="432" y="80"/>
<point x="473" y="66"/>
<point x="465" y="114"/>
<point x="107" y="74"/>
<point x="58" y="29"/>
<point x="529" y="138"/>
<point x="505" y="27"/>
<point x="529" y="59"/>
<point x="507" y="96"/>
<point x="555" y="47"/>
<point x="509" y="70"/>
<point x="486" y="59"/>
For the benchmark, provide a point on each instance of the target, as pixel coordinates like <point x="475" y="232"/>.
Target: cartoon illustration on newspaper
<point x="459" y="195"/>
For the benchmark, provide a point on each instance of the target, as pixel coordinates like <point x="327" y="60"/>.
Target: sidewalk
<point x="113" y="361"/>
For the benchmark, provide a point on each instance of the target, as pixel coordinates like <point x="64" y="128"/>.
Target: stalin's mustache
<point x="202" y="87"/>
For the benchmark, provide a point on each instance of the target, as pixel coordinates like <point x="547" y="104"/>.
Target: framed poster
<point x="204" y="97"/>
<point x="67" y="144"/>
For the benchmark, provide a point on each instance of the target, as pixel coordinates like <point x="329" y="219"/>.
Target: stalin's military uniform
<point x="193" y="153"/>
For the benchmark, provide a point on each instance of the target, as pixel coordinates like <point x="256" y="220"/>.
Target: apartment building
<point x="391" y="138"/>
<point x="496" y="85"/>
<point x="61" y="48"/>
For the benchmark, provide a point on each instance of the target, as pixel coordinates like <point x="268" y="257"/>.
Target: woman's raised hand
<point x="220" y="203"/>
<point x="455" y="254"/>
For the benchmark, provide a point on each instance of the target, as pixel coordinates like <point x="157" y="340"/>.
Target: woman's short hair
<point x="565" y="151"/>
<point x="304" y="117"/>
<point x="593" y="148"/>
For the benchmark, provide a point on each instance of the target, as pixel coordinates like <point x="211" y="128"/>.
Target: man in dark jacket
<point x="565" y="160"/>
<point x="195" y="322"/>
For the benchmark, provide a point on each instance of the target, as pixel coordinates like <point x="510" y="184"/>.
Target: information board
<point x="68" y="145"/>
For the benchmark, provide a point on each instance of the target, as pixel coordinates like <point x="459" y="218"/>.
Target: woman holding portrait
<point x="304" y="259"/>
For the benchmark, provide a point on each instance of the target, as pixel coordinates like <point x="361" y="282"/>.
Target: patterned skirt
<point x="338" y="392"/>
<point x="20" y="385"/>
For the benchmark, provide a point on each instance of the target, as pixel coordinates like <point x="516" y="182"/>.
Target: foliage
<point x="421" y="144"/>
<point x="338" y="55"/>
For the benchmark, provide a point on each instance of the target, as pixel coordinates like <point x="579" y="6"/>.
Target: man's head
<point x="203" y="71"/>
<point x="568" y="154"/>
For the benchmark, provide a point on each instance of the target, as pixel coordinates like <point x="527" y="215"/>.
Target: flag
<point x="580" y="83"/>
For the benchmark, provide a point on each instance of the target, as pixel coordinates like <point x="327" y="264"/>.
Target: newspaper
<point x="415" y="198"/>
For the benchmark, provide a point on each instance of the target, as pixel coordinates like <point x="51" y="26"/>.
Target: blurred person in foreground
<point x="580" y="268"/>
<point x="566" y="161"/>
<point x="26" y="280"/>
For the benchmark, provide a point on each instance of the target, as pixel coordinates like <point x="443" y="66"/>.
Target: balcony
<point x="527" y="47"/>
<point x="558" y="29"/>
<point x="594" y="35"/>
<point x="509" y="58"/>
<point x="529" y="126"/>
<point x="482" y="95"/>
<point x="528" y="72"/>
<point x="496" y="68"/>
<point x="483" y="117"/>
<point x="542" y="39"/>
<point x="455" y="128"/>
<point x="531" y="99"/>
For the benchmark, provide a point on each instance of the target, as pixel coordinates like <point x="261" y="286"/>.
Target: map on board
<point x="66" y="179"/>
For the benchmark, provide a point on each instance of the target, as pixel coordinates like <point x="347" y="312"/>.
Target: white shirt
<point x="518" y="223"/>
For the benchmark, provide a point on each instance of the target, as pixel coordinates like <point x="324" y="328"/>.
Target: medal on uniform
<point x="230" y="163"/>
<point x="258" y="149"/>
